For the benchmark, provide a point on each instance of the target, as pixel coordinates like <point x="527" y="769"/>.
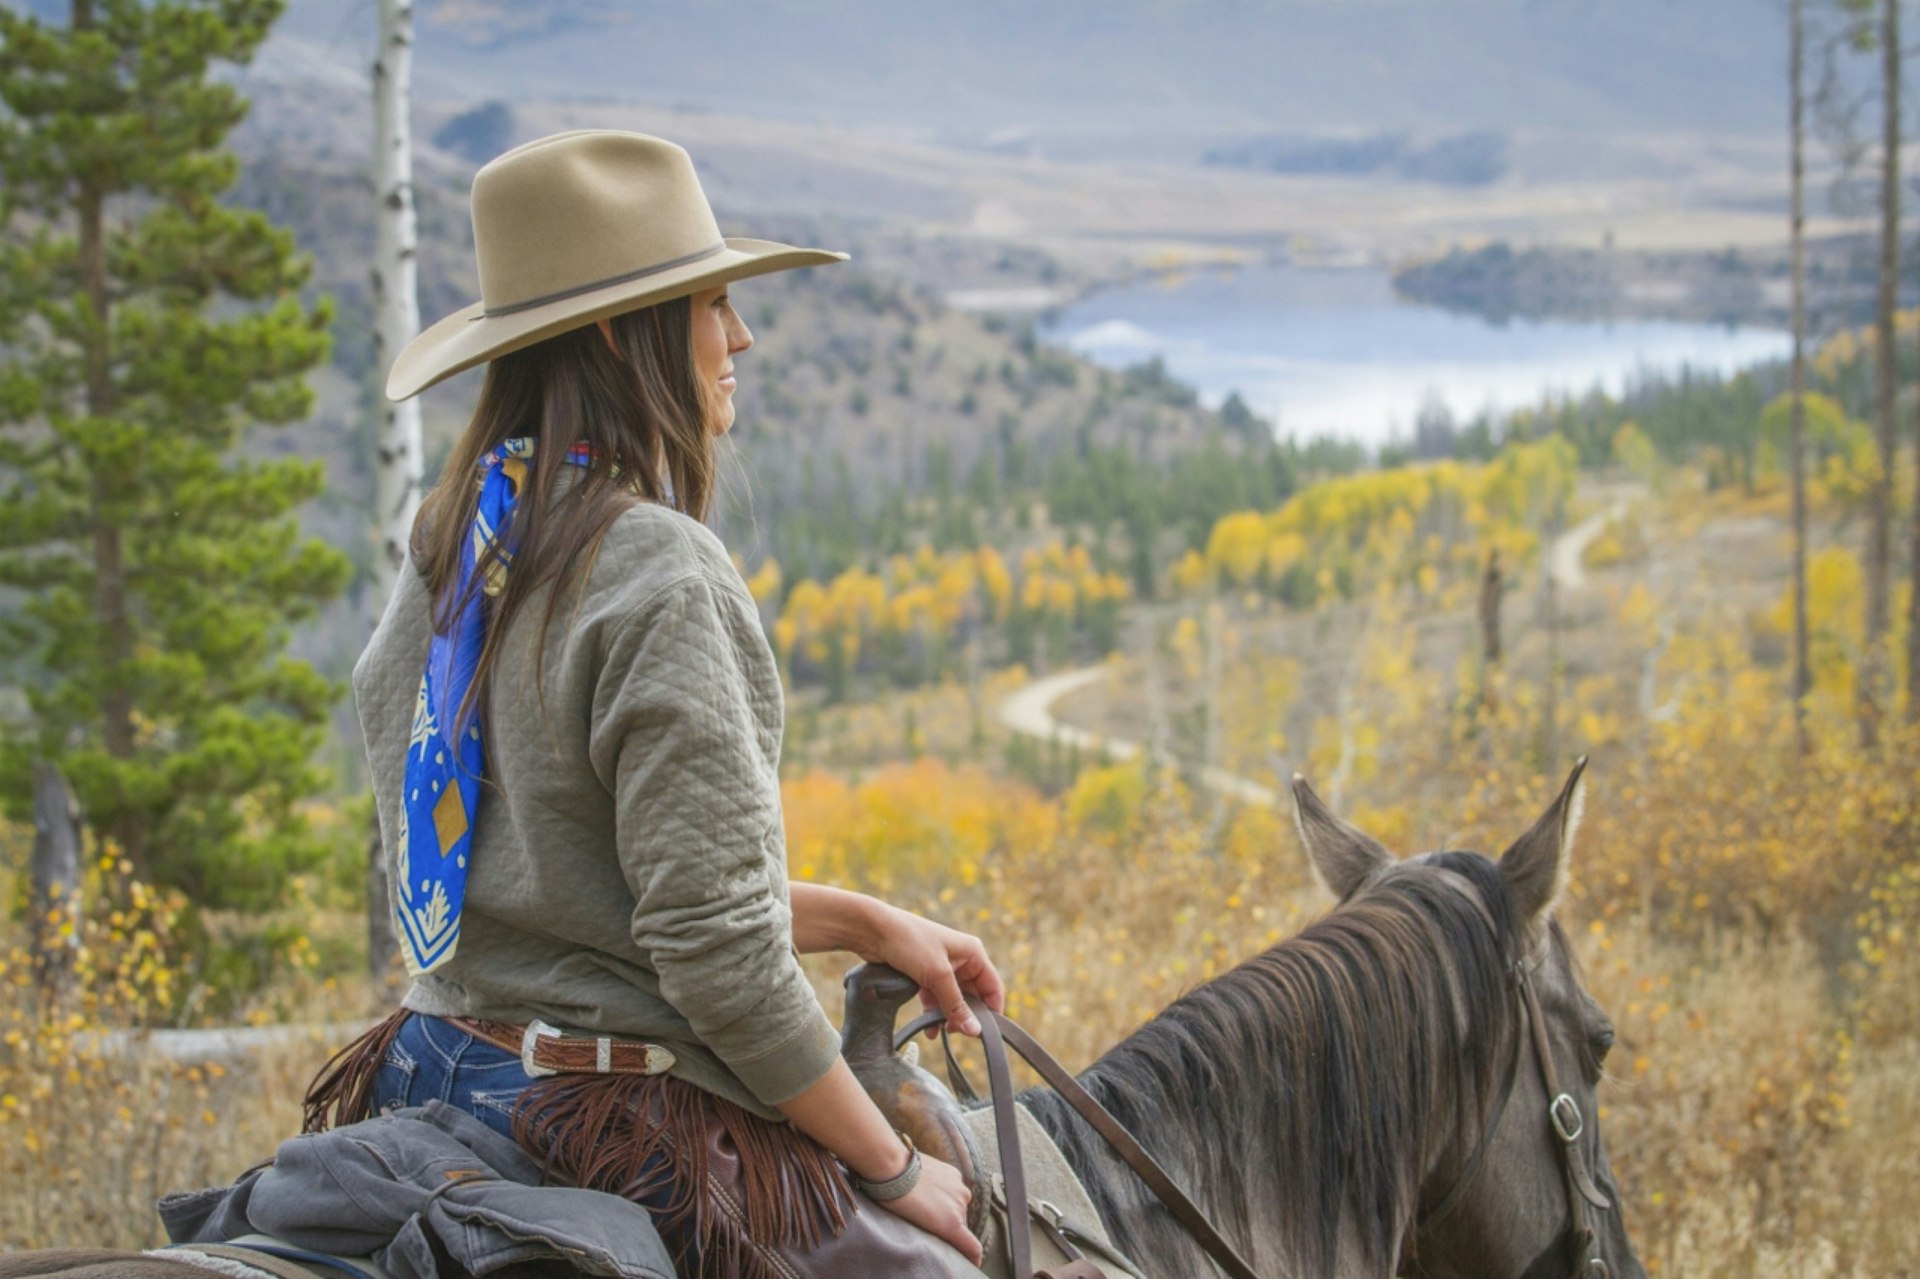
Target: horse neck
<point x="1299" y="1100"/>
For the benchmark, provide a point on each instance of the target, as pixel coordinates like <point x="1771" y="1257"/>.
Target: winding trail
<point x="1565" y="557"/>
<point x="1028" y="710"/>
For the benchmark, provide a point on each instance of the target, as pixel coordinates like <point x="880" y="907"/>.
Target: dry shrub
<point x="1748" y="1132"/>
<point x="94" y="1124"/>
<point x="94" y="1131"/>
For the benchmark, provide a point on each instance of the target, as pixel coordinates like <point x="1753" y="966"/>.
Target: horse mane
<point x="1305" y="1084"/>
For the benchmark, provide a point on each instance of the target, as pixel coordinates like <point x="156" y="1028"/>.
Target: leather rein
<point x="997" y="1032"/>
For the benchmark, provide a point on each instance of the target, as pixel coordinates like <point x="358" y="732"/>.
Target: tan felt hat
<point x="575" y="227"/>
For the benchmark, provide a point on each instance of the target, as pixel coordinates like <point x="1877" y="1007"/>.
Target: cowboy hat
<point x="576" y="227"/>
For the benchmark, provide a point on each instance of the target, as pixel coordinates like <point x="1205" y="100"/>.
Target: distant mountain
<point x="1105" y="78"/>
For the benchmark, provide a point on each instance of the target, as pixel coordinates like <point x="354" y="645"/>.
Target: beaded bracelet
<point x="897" y="1186"/>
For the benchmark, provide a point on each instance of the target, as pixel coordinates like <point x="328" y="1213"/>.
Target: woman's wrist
<point x="899" y="1185"/>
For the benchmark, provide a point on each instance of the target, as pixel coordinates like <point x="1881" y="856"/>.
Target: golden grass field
<point x="1747" y="916"/>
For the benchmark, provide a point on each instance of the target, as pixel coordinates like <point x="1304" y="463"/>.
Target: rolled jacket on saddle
<point x="413" y="1187"/>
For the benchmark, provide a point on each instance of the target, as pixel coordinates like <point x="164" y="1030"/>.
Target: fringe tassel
<point x="344" y="1086"/>
<point x="602" y="1131"/>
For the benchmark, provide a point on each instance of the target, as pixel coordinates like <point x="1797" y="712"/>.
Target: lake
<point x="1336" y="351"/>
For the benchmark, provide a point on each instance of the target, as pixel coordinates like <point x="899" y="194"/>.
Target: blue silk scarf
<point x="443" y="777"/>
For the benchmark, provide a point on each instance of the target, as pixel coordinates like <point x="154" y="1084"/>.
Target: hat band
<point x="645" y="271"/>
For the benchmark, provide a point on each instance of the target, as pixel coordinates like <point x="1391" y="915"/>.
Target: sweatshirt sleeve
<point x="686" y="734"/>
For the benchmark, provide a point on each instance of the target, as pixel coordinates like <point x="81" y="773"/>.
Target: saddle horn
<point x="913" y="1101"/>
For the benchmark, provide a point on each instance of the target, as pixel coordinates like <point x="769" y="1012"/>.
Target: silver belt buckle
<point x="659" y="1059"/>
<point x="536" y="1031"/>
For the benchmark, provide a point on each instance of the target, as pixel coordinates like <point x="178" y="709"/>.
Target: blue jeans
<point x="433" y="1060"/>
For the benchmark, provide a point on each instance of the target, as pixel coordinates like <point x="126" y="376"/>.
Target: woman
<point x="573" y="724"/>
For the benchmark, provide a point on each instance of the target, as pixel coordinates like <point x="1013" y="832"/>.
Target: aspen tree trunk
<point x="397" y="305"/>
<point x="1873" y="683"/>
<point x="56" y="880"/>
<point x="1487" y="700"/>
<point x="1796" y="437"/>
<point x="1490" y="587"/>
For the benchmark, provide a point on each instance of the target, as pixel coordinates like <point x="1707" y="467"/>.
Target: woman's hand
<point x="836" y="1112"/>
<point x="945" y="962"/>
<point x="938" y="1205"/>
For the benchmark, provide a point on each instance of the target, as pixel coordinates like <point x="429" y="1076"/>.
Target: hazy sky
<point x="969" y="70"/>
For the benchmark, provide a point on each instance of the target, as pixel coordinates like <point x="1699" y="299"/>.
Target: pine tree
<point x="144" y="328"/>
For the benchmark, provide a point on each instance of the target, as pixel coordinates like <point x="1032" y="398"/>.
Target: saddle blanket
<point x="1050" y="1182"/>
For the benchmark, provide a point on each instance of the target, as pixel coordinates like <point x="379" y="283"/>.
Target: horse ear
<point x="1344" y="855"/>
<point x="1537" y="866"/>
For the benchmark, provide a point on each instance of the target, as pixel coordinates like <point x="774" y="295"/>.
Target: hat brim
<point x="470" y="336"/>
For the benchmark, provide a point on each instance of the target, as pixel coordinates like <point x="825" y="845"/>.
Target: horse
<point x="1378" y="1095"/>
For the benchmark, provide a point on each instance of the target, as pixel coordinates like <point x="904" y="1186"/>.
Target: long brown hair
<point x="643" y="411"/>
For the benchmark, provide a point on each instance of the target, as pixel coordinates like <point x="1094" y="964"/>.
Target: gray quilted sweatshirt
<point x="629" y="876"/>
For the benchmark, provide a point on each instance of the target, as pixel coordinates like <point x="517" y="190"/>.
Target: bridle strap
<point x="1567" y="1123"/>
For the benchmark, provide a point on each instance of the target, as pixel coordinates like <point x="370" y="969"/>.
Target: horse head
<point x="1518" y="1185"/>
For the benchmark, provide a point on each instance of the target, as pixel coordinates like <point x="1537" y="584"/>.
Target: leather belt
<point x="546" y="1050"/>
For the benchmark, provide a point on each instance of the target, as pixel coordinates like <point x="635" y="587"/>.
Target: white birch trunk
<point x="396" y="294"/>
<point x="396" y="298"/>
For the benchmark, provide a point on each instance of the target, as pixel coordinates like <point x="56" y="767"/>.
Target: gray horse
<point x="1372" y="1097"/>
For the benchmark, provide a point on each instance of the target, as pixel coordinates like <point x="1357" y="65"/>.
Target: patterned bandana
<point x="443" y="778"/>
